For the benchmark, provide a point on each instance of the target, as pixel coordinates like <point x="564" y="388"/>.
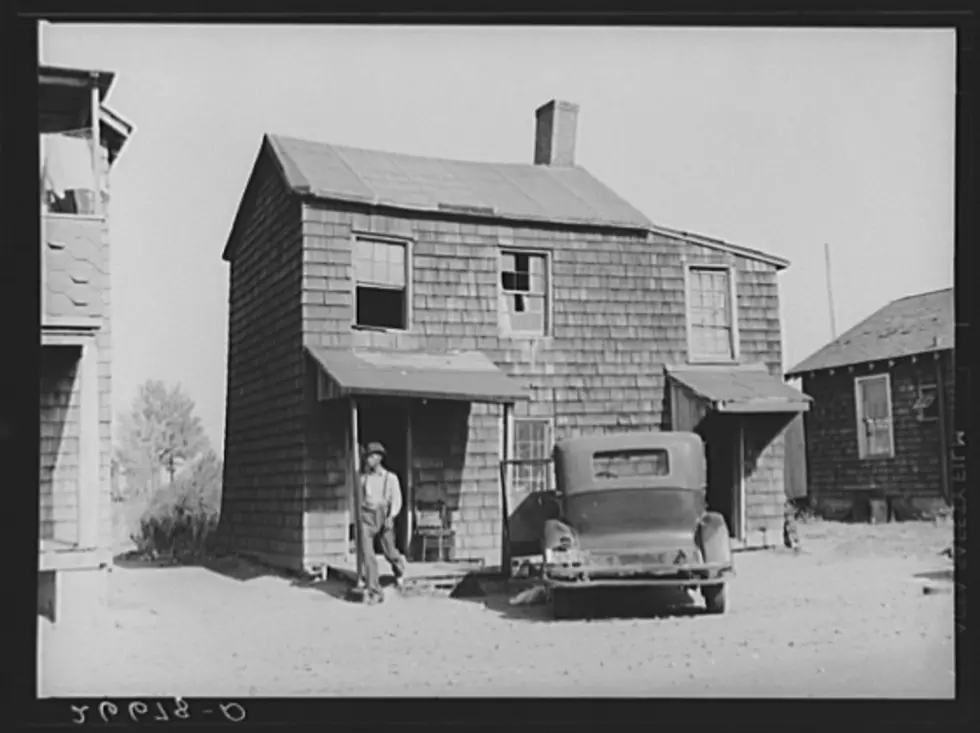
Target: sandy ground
<point x="846" y="618"/>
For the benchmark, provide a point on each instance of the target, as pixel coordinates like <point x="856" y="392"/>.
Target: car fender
<point x="713" y="538"/>
<point x="555" y="531"/>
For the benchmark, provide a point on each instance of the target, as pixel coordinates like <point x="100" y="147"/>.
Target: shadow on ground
<point x="594" y="604"/>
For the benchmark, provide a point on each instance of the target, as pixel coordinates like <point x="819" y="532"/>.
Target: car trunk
<point x="635" y="521"/>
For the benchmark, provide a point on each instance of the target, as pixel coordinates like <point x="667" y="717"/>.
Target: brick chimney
<point x="554" y="136"/>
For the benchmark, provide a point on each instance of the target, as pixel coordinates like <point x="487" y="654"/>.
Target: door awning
<point x="740" y="389"/>
<point x="458" y="375"/>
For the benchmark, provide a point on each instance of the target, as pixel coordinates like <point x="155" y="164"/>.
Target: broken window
<point x="710" y="314"/>
<point x="68" y="175"/>
<point x="532" y="443"/>
<point x="874" y="416"/>
<point x="524" y="292"/>
<point x="926" y="407"/>
<point x="380" y="275"/>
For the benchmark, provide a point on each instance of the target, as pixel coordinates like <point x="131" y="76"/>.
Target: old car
<point x="632" y="512"/>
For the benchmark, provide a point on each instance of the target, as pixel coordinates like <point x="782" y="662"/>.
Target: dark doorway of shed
<point x="386" y="422"/>
<point x="722" y="442"/>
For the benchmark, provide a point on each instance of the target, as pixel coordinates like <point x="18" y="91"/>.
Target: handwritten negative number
<point x="136" y="709"/>
<point x="233" y="712"/>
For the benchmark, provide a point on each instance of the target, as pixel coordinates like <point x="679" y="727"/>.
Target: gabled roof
<point x="568" y="195"/>
<point x="544" y="193"/>
<point x="916" y="324"/>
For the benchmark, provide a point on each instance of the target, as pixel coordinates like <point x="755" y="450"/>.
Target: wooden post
<point x="89" y="486"/>
<point x="408" y="498"/>
<point x="943" y="436"/>
<point x="96" y="146"/>
<point x="353" y="473"/>
<point x="504" y="490"/>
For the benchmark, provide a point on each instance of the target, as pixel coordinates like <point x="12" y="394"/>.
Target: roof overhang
<point x="722" y="246"/>
<point x="739" y="389"/>
<point x="467" y="376"/>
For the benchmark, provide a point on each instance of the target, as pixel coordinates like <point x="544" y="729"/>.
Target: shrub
<point x="181" y="517"/>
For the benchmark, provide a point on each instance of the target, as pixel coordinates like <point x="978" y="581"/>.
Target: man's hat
<point x="375" y="448"/>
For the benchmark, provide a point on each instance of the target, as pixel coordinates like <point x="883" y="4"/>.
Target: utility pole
<point x="830" y="293"/>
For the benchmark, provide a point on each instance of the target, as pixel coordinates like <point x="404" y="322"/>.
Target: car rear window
<point x="645" y="462"/>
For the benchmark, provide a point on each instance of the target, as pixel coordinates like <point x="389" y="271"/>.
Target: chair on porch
<point x="433" y="530"/>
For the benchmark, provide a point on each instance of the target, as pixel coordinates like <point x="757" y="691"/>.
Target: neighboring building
<point x="80" y="139"/>
<point x="882" y="418"/>
<point x="462" y="313"/>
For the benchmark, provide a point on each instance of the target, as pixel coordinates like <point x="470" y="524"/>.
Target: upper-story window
<point x="524" y="292"/>
<point x="68" y="173"/>
<point x="711" y="317"/>
<point x="380" y="284"/>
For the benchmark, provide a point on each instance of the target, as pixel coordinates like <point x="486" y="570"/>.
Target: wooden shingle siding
<point x="59" y="449"/>
<point x="835" y="471"/>
<point x="265" y="411"/>
<point x="619" y="314"/>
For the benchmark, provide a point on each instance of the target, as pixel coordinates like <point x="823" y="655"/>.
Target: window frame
<point x="407" y="245"/>
<point x="734" y="337"/>
<point x="862" y="438"/>
<point x="512" y="450"/>
<point x="546" y="255"/>
<point x="920" y="412"/>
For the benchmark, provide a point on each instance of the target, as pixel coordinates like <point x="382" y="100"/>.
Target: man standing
<point x="381" y="502"/>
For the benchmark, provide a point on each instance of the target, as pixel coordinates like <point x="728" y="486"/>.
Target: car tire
<point x="564" y="603"/>
<point x="715" y="600"/>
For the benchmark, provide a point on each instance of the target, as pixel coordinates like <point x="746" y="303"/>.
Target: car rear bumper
<point x="586" y="577"/>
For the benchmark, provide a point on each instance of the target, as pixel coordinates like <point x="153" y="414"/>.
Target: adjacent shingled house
<point x="467" y="314"/>
<point x="80" y="139"/>
<point x="882" y="420"/>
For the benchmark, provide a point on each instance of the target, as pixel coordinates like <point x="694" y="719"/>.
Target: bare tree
<point x="160" y="433"/>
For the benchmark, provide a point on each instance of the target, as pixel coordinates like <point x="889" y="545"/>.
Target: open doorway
<point x="723" y="449"/>
<point x="386" y="422"/>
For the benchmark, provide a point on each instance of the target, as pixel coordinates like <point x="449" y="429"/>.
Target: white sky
<point x="775" y="139"/>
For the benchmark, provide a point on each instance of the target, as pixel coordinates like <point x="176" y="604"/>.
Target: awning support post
<point x="504" y="491"/>
<point x="353" y="468"/>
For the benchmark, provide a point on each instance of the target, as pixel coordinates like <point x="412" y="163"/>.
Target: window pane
<point x="536" y="265"/>
<point x="875" y="399"/>
<point x="507" y="263"/>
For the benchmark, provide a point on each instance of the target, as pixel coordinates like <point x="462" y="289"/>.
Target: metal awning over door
<point x="456" y="375"/>
<point x="734" y="389"/>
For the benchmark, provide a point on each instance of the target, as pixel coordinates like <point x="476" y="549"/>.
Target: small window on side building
<point x="926" y="406"/>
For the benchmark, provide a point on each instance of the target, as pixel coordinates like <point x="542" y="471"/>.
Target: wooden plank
<point x="89" y="485"/>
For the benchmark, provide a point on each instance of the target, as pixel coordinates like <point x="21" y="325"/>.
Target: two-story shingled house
<point x="465" y="313"/>
<point x="80" y="139"/>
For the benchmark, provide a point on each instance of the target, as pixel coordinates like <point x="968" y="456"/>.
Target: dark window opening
<point x="380" y="308"/>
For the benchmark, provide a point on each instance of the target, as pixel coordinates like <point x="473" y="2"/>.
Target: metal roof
<point x="506" y="190"/>
<point x="452" y="375"/>
<point x="916" y="324"/>
<point x="748" y="388"/>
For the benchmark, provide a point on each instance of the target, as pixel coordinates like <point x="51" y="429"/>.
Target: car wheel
<point x="563" y="603"/>
<point x="714" y="598"/>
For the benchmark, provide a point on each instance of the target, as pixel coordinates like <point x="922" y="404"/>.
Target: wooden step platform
<point x="437" y="578"/>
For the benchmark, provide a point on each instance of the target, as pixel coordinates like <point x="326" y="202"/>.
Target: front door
<point x="386" y="422"/>
<point x="723" y="451"/>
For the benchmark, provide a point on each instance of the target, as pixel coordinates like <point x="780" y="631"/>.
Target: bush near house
<point x="181" y="516"/>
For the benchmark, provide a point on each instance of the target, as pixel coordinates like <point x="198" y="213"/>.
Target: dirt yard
<point x="848" y="617"/>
